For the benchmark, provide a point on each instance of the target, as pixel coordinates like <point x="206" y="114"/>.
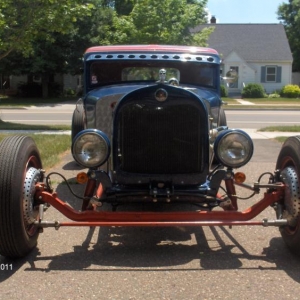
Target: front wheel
<point x="77" y="121"/>
<point x="288" y="163"/>
<point x="222" y="118"/>
<point x="20" y="166"/>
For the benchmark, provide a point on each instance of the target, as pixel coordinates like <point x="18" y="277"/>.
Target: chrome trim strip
<point x="155" y="56"/>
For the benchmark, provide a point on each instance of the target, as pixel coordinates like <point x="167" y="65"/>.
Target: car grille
<point x="161" y="139"/>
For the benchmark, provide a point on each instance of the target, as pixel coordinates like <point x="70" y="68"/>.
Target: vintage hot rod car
<point x="149" y="129"/>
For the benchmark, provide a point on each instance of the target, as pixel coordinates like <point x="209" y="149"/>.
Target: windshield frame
<point x="187" y="64"/>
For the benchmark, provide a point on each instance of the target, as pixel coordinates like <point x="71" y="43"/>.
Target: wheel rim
<point x="34" y="162"/>
<point x="291" y="230"/>
<point x="29" y="216"/>
<point x="292" y="192"/>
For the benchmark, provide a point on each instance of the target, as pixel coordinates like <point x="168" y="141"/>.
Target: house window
<point x="234" y="74"/>
<point x="271" y="74"/>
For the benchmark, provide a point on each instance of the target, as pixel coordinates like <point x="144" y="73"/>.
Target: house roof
<point x="252" y="42"/>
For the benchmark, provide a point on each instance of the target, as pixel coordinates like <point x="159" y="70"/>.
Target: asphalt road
<point x="262" y="118"/>
<point x="157" y="263"/>
<point x="62" y="114"/>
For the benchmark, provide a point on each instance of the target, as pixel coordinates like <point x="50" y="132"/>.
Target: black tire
<point x="288" y="163"/>
<point x="222" y="118"/>
<point x="18" y="154"/>
<point x="222" y="122"/>
<point x="289" y="155"/>
<point x="77" y="121"/>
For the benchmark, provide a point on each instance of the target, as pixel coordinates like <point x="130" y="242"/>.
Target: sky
<point x="244" y="11"/>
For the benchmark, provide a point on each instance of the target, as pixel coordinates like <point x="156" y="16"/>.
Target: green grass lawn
<point x="17" y="126"/>
<point x="51" y="147"/>
<point x="276" y="101"/>
<point x="17" y="101"/>
<point x="263" y="103"/>
<point x="294" y="128"/>
<point x="279" y="138"/>
<point x="229" y="101"/>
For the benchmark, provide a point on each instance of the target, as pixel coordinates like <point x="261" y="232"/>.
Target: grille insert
<point x="156" y="139"/>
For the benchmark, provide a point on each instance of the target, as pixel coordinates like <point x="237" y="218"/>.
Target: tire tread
<point x="10" y="150"/>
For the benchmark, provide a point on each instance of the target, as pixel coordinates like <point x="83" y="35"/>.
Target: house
<point x="258" y="53"/>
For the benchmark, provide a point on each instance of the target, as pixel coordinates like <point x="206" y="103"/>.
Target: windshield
<point x="147" y="73"/>
<point x="100" y="73"/>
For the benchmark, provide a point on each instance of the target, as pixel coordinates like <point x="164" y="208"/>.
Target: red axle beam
<point x="209" y="218"/>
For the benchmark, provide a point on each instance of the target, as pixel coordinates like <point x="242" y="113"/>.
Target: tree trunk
<point x="45" y="84"/>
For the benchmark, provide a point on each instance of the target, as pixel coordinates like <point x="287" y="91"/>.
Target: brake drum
<point x="292" y="195"/>
<point x="32" y="177"/>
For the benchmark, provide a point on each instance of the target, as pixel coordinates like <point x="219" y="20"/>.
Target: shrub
<point x="32" y="89"/>
<point x="291" y="91"/>
<point x="224" y="92"/>
<point x="54" y="89"/>
<point x="253" y="90"/>
<point x="69" y="92"/>
<point x="274" y="95"/>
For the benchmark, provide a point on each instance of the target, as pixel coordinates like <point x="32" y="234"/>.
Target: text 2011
<point x="6" y="267"/>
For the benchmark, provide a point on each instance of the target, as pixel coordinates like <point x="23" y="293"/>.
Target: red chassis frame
<point x="229" y="216"/>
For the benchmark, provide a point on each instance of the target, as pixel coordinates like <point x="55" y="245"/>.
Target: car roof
<point x="152" y="48"/>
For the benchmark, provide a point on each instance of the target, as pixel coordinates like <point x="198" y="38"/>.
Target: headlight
<point x="91" y="148"/>
<point x="233" y="148"/>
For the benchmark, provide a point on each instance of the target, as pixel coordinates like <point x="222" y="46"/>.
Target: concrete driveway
<point x="157" y="263"/>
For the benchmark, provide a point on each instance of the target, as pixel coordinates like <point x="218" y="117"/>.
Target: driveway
<point x="157" y="263"/>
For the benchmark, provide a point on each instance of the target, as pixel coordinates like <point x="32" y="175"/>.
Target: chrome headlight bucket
<point x="91" y="148"/>
<point x="233" y="148"/>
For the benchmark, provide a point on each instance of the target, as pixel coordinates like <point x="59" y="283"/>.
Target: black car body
<point x="158" y="128"/>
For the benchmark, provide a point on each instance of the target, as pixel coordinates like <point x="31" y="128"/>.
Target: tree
<point x="22" y="21"/>
<point x="46" y="59"/>
<point x="289" y="14"/>
<point x="109" y="22"/>
<point x="59" y="52"/>
<point x="161" y="22"/>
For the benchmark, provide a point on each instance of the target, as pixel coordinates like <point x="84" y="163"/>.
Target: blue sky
<point x="244" y="11"/>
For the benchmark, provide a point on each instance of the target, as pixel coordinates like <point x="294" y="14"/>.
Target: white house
<point x="259" y="53"/>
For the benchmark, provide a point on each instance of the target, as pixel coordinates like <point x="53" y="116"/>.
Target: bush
<point x="69" y="92"/>
<point x="54" y="89"/>
<point x="253" y="90"/>
<point x="291" y="91"/>
<point x="274" y="95"/>
<point x="32" y="89"/>
<point x="224" y="92"/>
